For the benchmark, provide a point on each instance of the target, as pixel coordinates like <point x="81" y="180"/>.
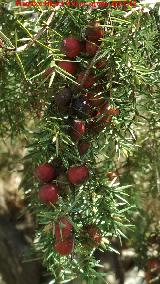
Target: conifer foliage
<point x="84" y="75"/>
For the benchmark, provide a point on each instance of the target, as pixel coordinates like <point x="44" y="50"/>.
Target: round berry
<point x="63" y="97"/>
<point x="153" y="264"/>
<point x="102" y="115"/>
<point x="78" y="129"/>
<point x="86" y="81"/>
<point x="83" y="147"/>
<point x="64" y="247"/>
<point x="45" y="172"/>
<point x="63" y="229"/>
<point x="49" y="193"/>
<point x="68" y="66"/>
<point x="80" y="107"/>
<point x="94" y="31"/>
<point x="77" y="174"/>
<point x="91" y="48"/>
<point x="71" y="47"/>
<point x="94" y="235"/>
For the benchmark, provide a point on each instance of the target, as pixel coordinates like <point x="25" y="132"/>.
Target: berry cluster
<point x="49" y="193"/>
<point x="89" y="103"/>
<point x="86" y="113"/>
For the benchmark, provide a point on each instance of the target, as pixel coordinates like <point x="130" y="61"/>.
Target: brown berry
<point x="102" y="113"/>
<point x="94" y="234"/>
<point x="91" y="48"/>
<point x="63" y="97"/>
<point x="86" y="81"/>
<point x="101" y="64"/>
<point x="78" y="129"/>
<point x="83" y="147"/>
<point x="94" y="31"/>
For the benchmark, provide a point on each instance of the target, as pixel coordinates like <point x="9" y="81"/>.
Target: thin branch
<point x="89" y="68"/>
<point x="37" y="36"/>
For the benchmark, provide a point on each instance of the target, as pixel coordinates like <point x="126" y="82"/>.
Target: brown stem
<point x="37" y="36"/>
